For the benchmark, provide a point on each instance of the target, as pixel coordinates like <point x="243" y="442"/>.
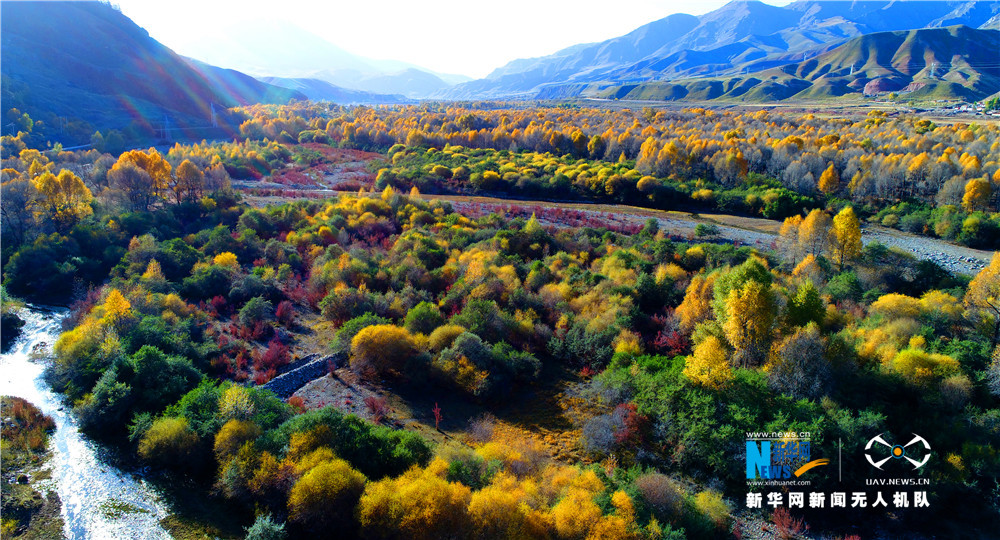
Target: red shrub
<point x="285" y="312"/>
<point x="262" y="378"/>
<point x="633" y="424"/>
<point x="274" y="357"/>
<point x="787" y="526"/>
<point x="297" y="403"/>
<point x="378" y="408"/>
<point x="671" y="342"/>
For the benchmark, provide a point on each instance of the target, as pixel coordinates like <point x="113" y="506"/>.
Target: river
<point x="99" y="501"/>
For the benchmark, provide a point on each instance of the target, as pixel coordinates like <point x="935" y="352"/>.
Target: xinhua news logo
<point x="779" y="456"/>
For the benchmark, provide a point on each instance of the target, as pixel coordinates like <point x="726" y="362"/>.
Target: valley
<point x="705" y="279"/>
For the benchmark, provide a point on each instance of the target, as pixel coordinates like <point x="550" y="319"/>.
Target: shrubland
<point x="185" y="301"/>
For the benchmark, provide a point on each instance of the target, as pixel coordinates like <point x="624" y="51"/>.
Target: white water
<point x="99" y="501"/>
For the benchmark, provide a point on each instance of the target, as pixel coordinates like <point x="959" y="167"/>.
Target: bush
<point x="265" y="528"/>
<point x="664" y="495"/>
<point x="376" y="451"/>
<point x="443" y="336"/>
<point x="169" y="442"/>
<point x="257" y="309"/>
<point x="418" y="506"/>
<point x="345" y="335"/>
<point x="710" y="504"/>
<point x="324" y="498"/>
<point x="233" y="435"/>
<point x="706" y="229"/>
<point x="423" y="318"/>
<point x="382" y="350"/>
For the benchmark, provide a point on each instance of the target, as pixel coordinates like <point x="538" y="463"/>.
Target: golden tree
<point x="190" y="182"/>
<point x="814" y="232"/>
<point x="697" y="304"/>
<point x="708" y="366"/>
<point x="749" y="322"/>
<point x="977" y="194"/>
<point x="829" y="181"/>
<point x="63" y="199"/>
<point x="983" y="297"/>
<point x="142" y="176"/>
<point x="846" y="236"/>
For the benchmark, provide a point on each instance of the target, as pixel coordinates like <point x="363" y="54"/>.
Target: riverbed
<point x="99" y="500"/>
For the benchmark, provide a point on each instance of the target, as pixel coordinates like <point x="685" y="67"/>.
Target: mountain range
<point x="740" y="37"/>
<point x="952" y="62"/>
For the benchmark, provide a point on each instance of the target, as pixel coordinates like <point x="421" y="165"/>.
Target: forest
<point x="185" y="301"/>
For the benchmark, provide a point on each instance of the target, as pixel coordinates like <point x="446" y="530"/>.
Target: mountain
<point x="740" y="36"/>
<point x="285" y="50"/>
<point x="87" y="61"/>
<point x="952" y="62"/>
<point x="320" y="90"/>
<point x="410" y="82"/>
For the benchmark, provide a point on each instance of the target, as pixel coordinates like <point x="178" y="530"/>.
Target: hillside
<point x="85" y="61"/>
<point x="740" y="36"/>
<point x="953" y="62"/>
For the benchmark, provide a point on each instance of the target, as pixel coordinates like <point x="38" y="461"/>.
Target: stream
<point x="99" y="501"/>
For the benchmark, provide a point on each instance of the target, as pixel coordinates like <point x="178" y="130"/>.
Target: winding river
<point x="99" y="501"/>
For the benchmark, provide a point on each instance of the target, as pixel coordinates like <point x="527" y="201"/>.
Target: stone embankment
<point x="296" y="374"/>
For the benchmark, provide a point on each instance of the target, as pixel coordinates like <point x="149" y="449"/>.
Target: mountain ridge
<point x="953" y="62"/>
<point x="744" y="34"/>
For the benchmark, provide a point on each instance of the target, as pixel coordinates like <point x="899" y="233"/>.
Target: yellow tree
<point x="977" y="194"/>
<point x="788" y="238"/>
<point x="697" y="304"/>
<point x="814" y="233"/>
<point x="983" y="297"/>
<point x="63" y="199"/>
<point x="749" y="322"/>
<point x="190" y="182"/>
<point x="829" y="181"/>
<point x="144" y="177"/>
<point x="708" y="365"/>
<point x="846" y="236"/>
<point x="116" y="307"/>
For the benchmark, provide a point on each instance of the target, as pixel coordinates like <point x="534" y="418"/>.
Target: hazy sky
<point x="449" y="36"/>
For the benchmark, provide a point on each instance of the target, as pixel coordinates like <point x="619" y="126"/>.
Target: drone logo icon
<point x="898" y="451"/>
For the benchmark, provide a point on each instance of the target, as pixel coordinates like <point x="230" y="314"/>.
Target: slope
<point x="86" y="62"/>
